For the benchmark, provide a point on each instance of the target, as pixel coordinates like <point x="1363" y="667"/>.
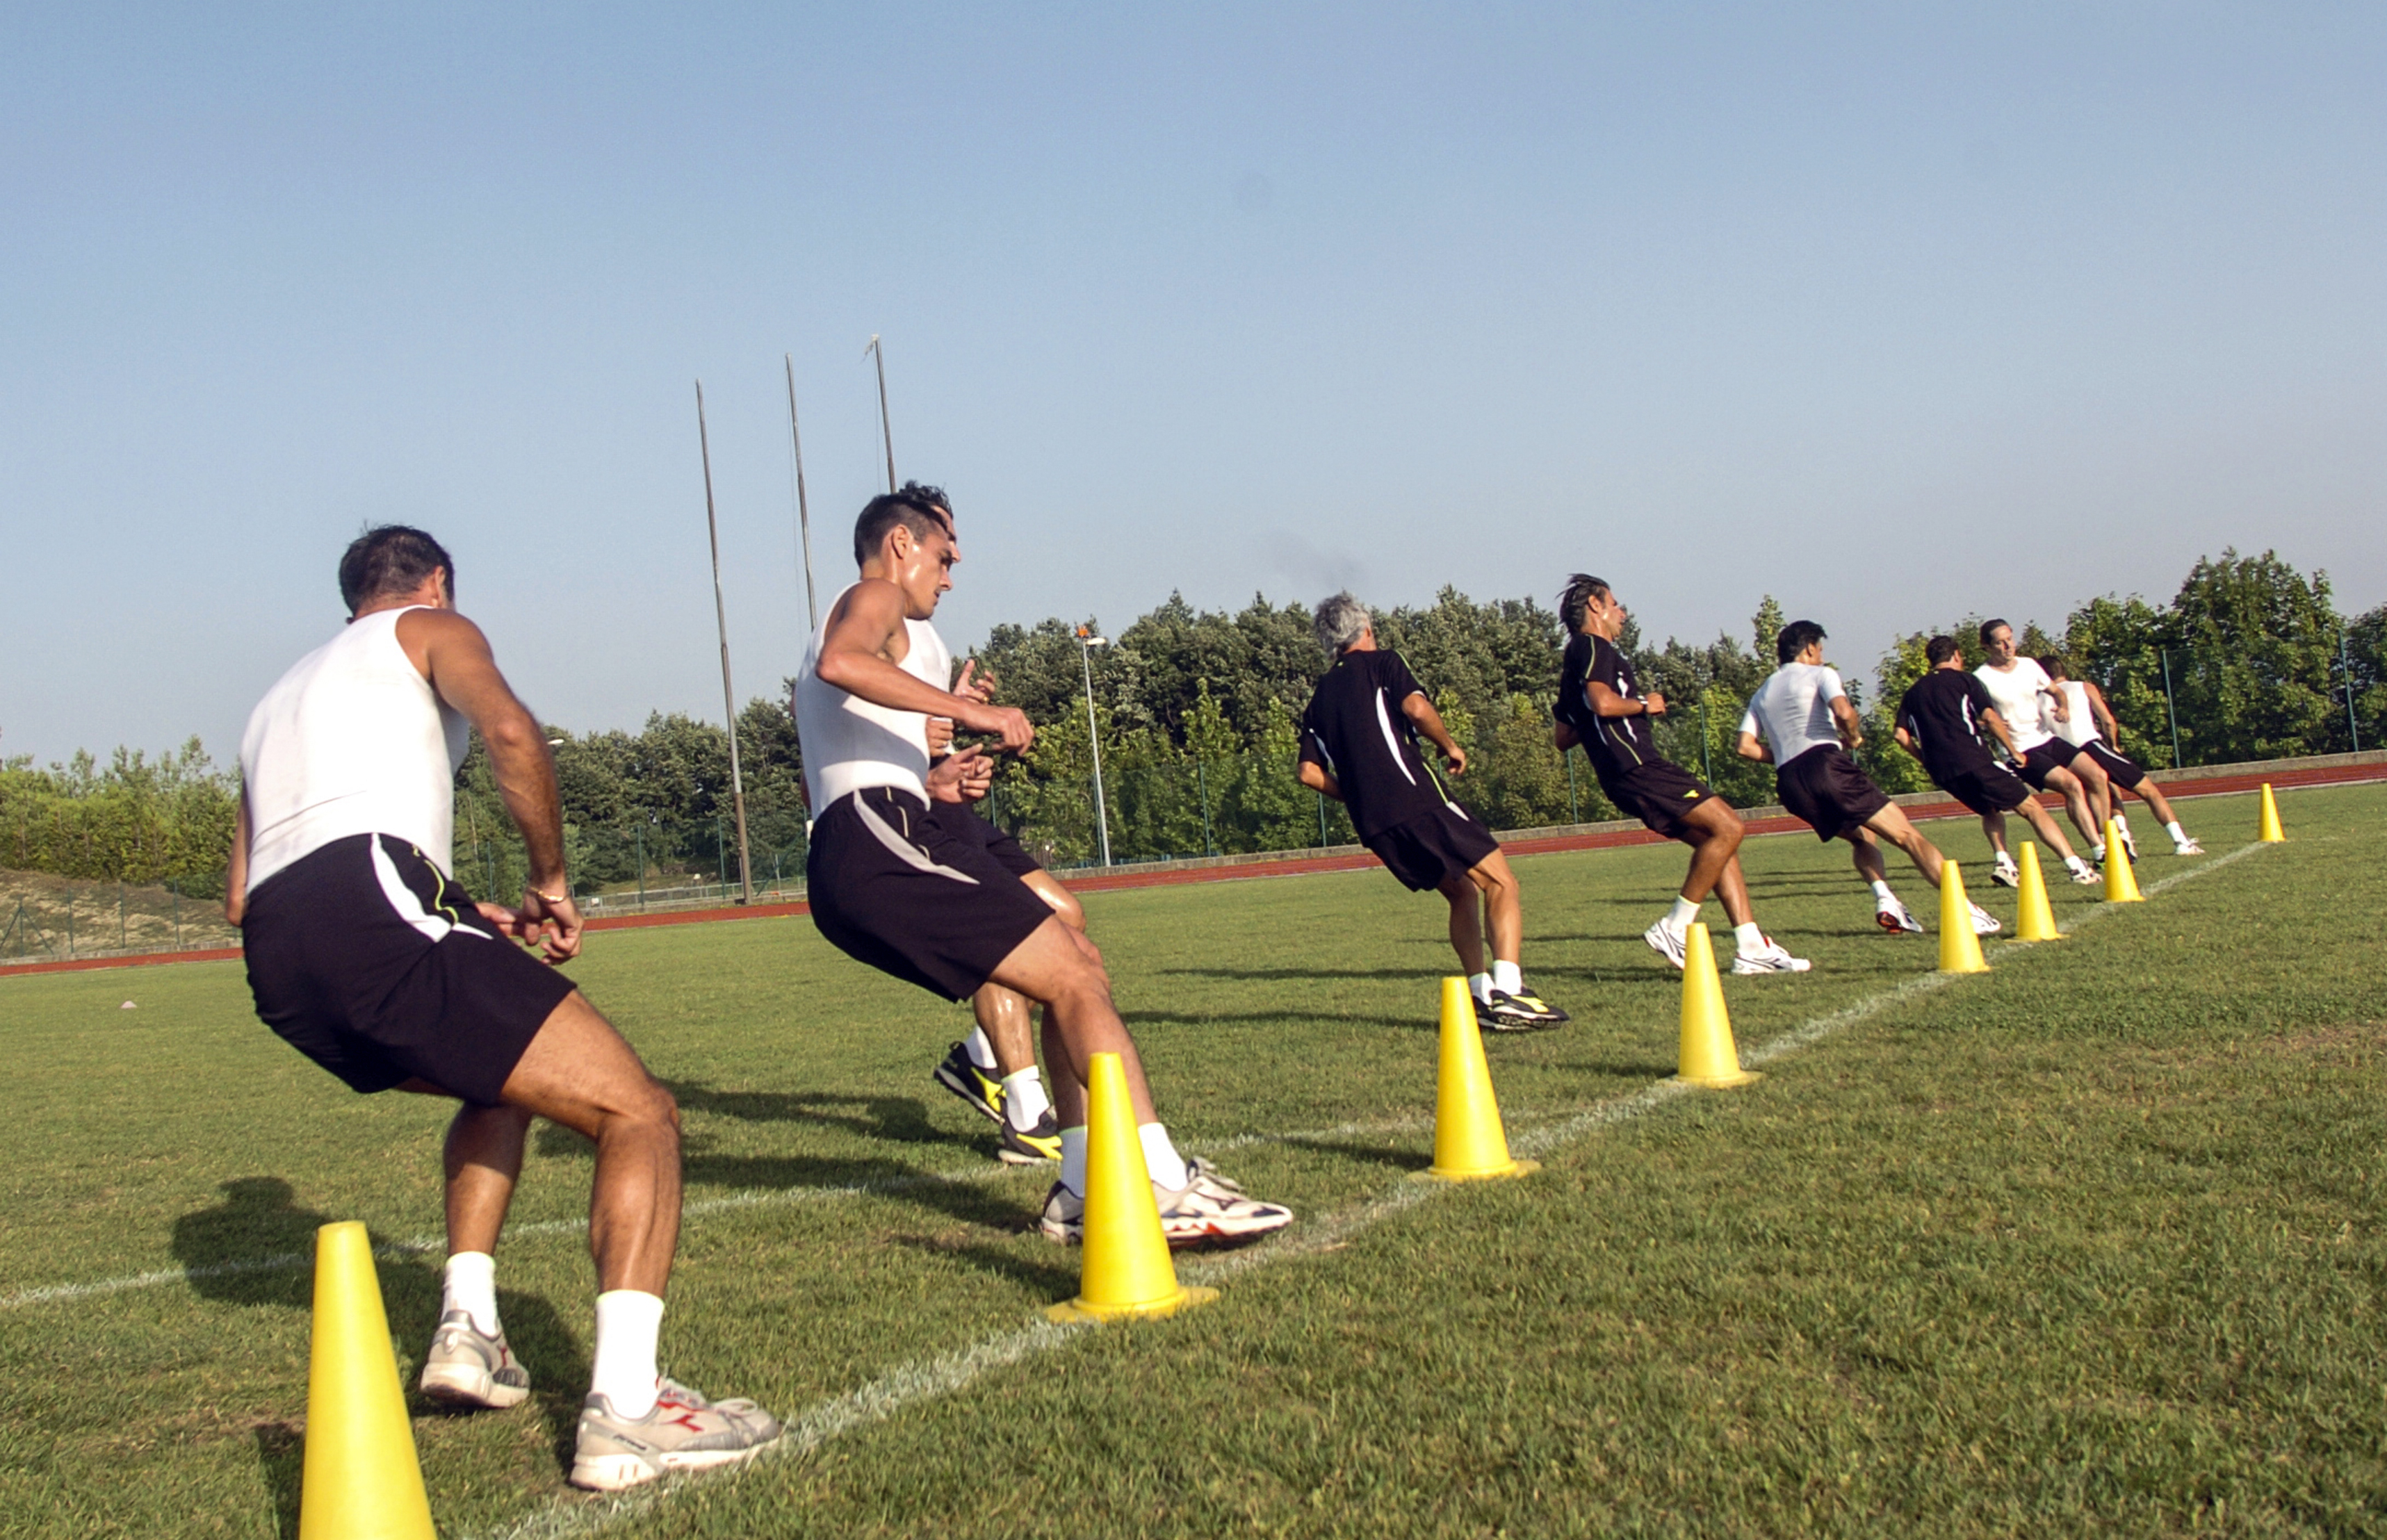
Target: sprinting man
<point x="2089" y="725"/>
<point x="366" y="956"/>
<point x="1802" y="721"/>
<point x="2030" y="708"/>
<point x="892" y="887"/>
<point x="1360" y="745"/>
<point x="1601" y="707"/>
<point x="1941" y="719"/>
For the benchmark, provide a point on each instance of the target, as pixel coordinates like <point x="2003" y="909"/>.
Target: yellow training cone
<point x="2034" y="919"/>
<point x="2270" y="833"/>
<point x="2121" y="883"/>
<point x="1127" y="1270"/>
<point x="362" y="1481"/>
<point x="1960" y="950"/>
<point x="1469" y="1143"/>
<point x="1709" y="1057"/>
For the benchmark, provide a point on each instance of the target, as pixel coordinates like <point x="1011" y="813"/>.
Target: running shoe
<point x="681" y="1432"/>
<point x="2187" y="847"/>
<point x="467" y="1370"/>
<point x="1523" y="1012"/>
<point x="2128" y="843"/>
<point x="2097" y="853"/>
<point x="2005" y="874"/>
<point x="970" y="1083"/>
<point x="2085" y="875"/>
<point x="1031" y="1146"/>
<point x="1533" y="1002"/>
<point x="1667" y="943"/>
<point x="1208" y="1208"/>
<point x="1771" y="957"/>
<point x="1985" y="923"/>
<point x="1896" y="919"/>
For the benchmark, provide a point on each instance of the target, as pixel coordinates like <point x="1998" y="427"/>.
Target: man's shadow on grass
<point x="257" y="1247"/>
<point x="899" y="1119"/>
<point x="1424" y="1020"/>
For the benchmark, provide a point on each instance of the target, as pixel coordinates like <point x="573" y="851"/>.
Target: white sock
<point x="2077" y="864"/>
<point x="471" y="1286"/>
<point x="2179" y="835"/>
<point x="1679" y="918"/>
<point x="1507" y="978"/>
<point x="1073" y="1159"/>
<point x="1881" y="891"/>
<point x="1023" y="1098"/>
<point x="1480" y="986"/>
<point x="2005" y="858"/>
<point x="1749" y="938"/>
<point x="1161" y="1161"/>
<point x="980" y="1051"/>
<point x="624" y="1368"/>
<point x="2121" y="821"/>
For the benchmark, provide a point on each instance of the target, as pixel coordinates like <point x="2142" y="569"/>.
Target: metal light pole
<point x="804" y="511"/>
<point x="2346" y="669"/>
<point x="1087" y="642"/>
<point x="886" y="433"/>
<point x="721" y="622"/>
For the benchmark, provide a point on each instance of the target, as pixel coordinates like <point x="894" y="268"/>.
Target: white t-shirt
<point x="2018" y="693"/>
<point x="2082" y="728"/>
<point x="850" y="743"/>
<point x="352" y="740"/>
<point x="1792" y="711"/>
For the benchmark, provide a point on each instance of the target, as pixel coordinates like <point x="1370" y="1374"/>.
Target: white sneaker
<point x="1667" y="943"/>
<point x="2005" y="874"/>
<point x="1208" y="1208"/>
<point x="2097" y="853"/>
<point x="2086" y="875"/>
<point x="2187" y="847"/>
<point x="1894" y="917"/>
<point x="2127" y="843"/>
<point x="681" y="1432"/>
<point x="465" y="1369"/>
<point x="1772" y="957"/>
<point x="1985" y="923"/>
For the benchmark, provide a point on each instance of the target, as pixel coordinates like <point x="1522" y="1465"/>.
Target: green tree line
<point x="1196" y="713"/>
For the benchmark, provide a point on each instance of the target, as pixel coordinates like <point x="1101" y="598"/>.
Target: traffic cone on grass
<point x="2270" y="833"/>
<point x="1127" y="1272"/>
<point x="1709" y="1057"/>
<point x="2121" y="883"/>
<point x="361" y="1478"/>
<point x="1960" y="950"/>
<point x="1469" y="1143"/>
<point x="2034" y="917"/>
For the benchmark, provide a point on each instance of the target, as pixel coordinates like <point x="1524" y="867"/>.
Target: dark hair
<point x="2053" y="663"/>
<point x="1580" y="589"/>
<point x="911" y="508"/>
<point x="1989" y="626"/>
<point x="387" y="560"/>
<point x="1938" y="650"/>
<point x="1796" y="638"/>
<point x="921" y="491"/>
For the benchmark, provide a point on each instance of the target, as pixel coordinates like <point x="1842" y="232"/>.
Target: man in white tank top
<point x="2026" y="702"/>
<point x="1802" y="721"/>
<point x="891" y="886"/>
<point x="365" y="955"/>
<point x="2089" y="726"/>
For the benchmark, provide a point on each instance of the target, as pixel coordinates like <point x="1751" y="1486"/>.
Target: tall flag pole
<point x="804" y="511"/>
<point x="721" y="622"/>
<point x="886" y="433"/>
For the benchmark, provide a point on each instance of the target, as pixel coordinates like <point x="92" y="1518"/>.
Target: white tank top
<point x="2082" y="728"/>
<point x="850" y="743"/>
<point x="2017" y="693"/>
<point x="352" y="740"/>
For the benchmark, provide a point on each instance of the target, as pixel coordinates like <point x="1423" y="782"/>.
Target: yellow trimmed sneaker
<point x="970" y="1083"/>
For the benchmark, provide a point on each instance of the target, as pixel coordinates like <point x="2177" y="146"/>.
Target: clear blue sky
<point x="1894" y="312"/>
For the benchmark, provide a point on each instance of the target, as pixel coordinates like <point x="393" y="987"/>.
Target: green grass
<point x="2088" y="1243"/>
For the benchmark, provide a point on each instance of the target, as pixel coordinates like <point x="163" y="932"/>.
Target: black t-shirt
<point x="1941" y="712"/>
<point x="1616" y="744"/>
<point x="1354" y="729"/>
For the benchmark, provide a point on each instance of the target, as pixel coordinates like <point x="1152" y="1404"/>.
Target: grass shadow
<point x="1374" y="1155"/>
<point x="899" y="1119"/>
<point x="256" y="1247"/>
<point x="1288" y="975"/>
<point x="969" y="1202"/>
<point x="280" y="1459"/>
<point x="1422" y="1022"/>
<point x="1050" y="1280"/>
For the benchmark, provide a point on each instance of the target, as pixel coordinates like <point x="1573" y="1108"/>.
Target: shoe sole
<point x="470" y="1389"/>
<point x="1895" y="926"/>
<point x="1014" y="1157"/>
<point x="1660" y="950"/>
<point x="1803" y="965"/>
<point x="620" y="1472"/>
<point x="966" y="1091"/>
<point x="1182" y="1239"/>
<point x="2004" y="880"/>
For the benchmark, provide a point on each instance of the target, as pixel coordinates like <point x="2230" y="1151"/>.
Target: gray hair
<point x="1339" y="621"/>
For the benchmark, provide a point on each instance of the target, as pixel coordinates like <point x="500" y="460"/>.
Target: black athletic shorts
<point x="2054" y="754"/>
<point x="1433" y="847"/>
<point x="1990" y="788"/>
<point x="1825" y="787"/>
<point x="2122" y="772"/>
<point x="964" y="823"/>
<point x="370" y="961"/>
<point x="1658" y="793"/>
<point x="894" y="887"/>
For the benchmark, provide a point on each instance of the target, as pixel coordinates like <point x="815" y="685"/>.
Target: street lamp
<point x="1087" y="642"/>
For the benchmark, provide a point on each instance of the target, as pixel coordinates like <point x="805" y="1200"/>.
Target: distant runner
<point x="2088" y="725"/>
<point x="2028" y="704"/>
<point x="1601" y="708"/>
<point x="1360" y="746"/>
<point x="1941" y="719"/>
<point x="365" y="955"/>
<point x="1802" y="721"/>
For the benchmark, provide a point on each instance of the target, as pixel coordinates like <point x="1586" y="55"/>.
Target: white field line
<point x="925" y="1379"/>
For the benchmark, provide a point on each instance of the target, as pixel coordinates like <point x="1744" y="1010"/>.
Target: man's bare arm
<point x="855" y="658"/>
<point x="1850" y="724"/>
<point x="1751" y="747"/>
<point x="1997" y="727"/>
<point x="1607" y="702"/>
<point x="236" y="870"/>
<point x="2102" y="715"/>
<point x="1562" y="736"/>
<point x="1906" y="742"/>
<point x="1314" y="776"/>
<point x="1420" y="709"/>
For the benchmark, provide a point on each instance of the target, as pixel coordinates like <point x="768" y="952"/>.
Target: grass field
<point x="2091" y="1242"/>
